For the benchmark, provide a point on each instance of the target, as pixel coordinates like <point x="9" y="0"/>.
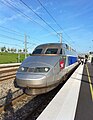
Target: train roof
<point x="50" y="44"/>
<point x="41" y="49"/>
<point x="60" y="45"/>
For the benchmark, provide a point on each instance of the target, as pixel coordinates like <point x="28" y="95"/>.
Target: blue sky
<point x="74" y="17"/>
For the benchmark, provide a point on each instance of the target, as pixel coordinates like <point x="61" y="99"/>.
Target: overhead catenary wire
<point x="65" y="40"/>
<point x="5" y="36"/>
<point x="42" y="18"/>
<point x="21" y="13"/>
<point x="16" y="44"/>
<point x="54" y="19"/>
<point x="38" y="16"/>
<point x="8" y="30"/>
<point x="49" y="13"/>
<point x="11" y="6"/>
<point x="8" y="37"/>
<point x="11" y="30"/>
<point x="10" y="44"/>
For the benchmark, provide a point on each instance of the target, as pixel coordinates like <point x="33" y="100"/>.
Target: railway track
<point x="9" y="110"/>
<point x="7" y="77"/>
<point x="42" y="103"/>
<point x="13" y="101"/>
<point x="29" y="109"/>
<point x="7" y="71"/>
<point x="30" y="106"/>
<point x="26" y="107"/>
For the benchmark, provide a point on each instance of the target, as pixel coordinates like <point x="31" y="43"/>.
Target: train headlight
<point x="46" y="69"/>
<point x="22" y="69"/>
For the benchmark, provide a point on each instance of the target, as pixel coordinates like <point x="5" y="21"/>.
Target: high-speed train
<point x="46" y="68"/>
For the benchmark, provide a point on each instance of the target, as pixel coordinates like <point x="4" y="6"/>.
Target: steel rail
<point x="8" y="71"/>
<point x="14" y="101"/>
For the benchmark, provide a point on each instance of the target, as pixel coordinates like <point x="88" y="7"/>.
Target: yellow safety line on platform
<point x="90" y="83"/>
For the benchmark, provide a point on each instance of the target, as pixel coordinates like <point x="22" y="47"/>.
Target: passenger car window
<point x="51" y="51"/>
<point x="37" y="51"/>
<point x="61" y="51"/>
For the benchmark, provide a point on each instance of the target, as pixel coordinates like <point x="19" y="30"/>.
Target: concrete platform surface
<point x="64" y="104"/>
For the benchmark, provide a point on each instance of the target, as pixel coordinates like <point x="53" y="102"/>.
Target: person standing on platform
<point x="92" y="60"/>
<point x="82" y="61"/>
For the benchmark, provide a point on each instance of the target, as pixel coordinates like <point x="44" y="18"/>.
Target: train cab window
<point x="51" y="51"/>
<point x="37" y="51"/>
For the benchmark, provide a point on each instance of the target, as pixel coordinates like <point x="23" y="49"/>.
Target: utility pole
<point x="18" y="56"/>
<point x="25" y="46"/>
<point x="60" y="34"/>
<point x="60" y="37"/>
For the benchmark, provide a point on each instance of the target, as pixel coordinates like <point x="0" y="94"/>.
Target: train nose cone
<point x="30" y="80"/>
<point x="35" y="71"/>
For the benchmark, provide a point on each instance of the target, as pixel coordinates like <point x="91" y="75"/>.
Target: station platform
<point x="75" y="99"/>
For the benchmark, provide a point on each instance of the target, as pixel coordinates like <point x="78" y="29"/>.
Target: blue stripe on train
<point x="71" y="60"/>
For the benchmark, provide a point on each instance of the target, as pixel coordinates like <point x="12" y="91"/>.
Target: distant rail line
<point x="7" y="71"/>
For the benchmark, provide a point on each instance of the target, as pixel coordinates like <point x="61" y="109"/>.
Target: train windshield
<point x="51" y="51"/>
<point x="37" y="51"/>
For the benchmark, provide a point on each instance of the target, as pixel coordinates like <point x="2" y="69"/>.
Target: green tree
<point x="3" y="49"/>
<point x="24" y="50"/>
<point x="19" y="50"/>
<point x="8" y="50"/>
<point x="12" y="50"/>
<point x="15" y="50"/>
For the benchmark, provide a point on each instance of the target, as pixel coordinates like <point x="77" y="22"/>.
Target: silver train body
<point x="46" y="68"/>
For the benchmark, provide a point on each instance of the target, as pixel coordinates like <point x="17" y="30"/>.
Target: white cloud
<point x="7" y="19"/>
<point x="81" y="12"/>
<point x="6" y="1"/>
<point x="12" y="16"/>
<point x="47" y="35"/>
<point x="73" y="28"/>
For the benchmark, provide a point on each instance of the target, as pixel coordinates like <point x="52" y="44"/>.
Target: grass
<point x="10" y="57"/>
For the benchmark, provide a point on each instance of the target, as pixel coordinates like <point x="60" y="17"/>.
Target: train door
<point x="59" y="68"/>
